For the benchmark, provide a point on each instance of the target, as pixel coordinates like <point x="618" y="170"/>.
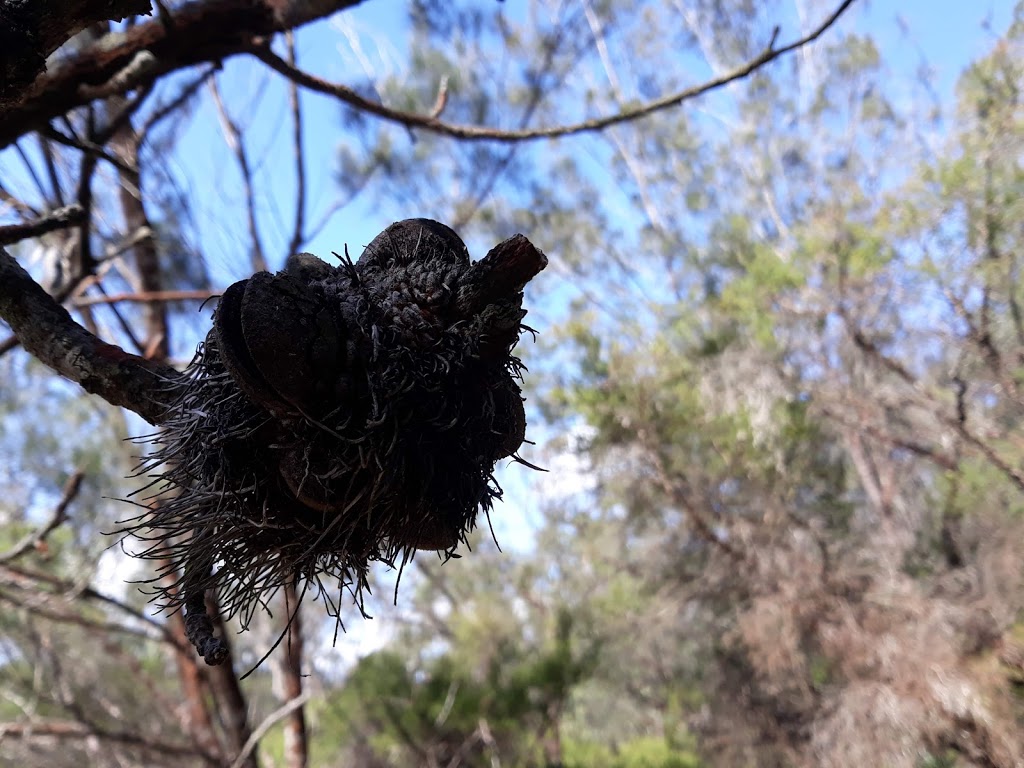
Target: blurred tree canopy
<point x="779" y="386"/>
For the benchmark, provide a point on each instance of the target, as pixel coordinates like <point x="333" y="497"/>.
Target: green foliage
<point x="946" y="759"/>
<point x="639" y="753"/>
<point x="442" y="705"/>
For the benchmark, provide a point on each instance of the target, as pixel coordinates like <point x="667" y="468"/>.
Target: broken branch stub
<point x="337" y="416"/>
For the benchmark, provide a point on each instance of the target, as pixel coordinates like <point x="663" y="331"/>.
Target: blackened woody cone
<point x="337" y="416"/>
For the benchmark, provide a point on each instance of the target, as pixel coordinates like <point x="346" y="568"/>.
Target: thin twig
<point x="174" y="104"/>
<point x="57" y="518"/>
<point x="84" y="263"/>
<point x="51" y="170"/>
<point x="17" y="204"/>
<point x="31" y="170"/>
<point x="442" y="98"/>
<point x="24" y="576"/>
<point x="233" y="138"/>
<point x="300" y="155"/>
<point x="38" y="605"/>
<point x="125" y="327"/>
<point x="478" y="133"/>
<point x="73" y="287"/>
<point x="73" y="729"/>
<point x="271" y="720"/>
<point x="85" y="146"/>
<point x="199" y="294"/>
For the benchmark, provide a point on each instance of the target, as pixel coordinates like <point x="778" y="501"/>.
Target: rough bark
<point x="196" y="33"/>
<point x="47" y="331"/>
<point x="30" y="30"/>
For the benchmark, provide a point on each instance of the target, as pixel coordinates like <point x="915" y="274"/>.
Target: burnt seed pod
<point x="337" y="416"/>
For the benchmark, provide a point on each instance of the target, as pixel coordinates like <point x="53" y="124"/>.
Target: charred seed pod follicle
<point x="337" y="416"/>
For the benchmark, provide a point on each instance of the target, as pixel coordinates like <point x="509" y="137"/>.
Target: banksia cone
<point x="337" y="416"/>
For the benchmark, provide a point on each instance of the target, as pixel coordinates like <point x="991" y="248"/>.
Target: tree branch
<point x="60" y="513"/>
<point x="296" y="737"/>
<point x="433" y="124"/>
<point x="272" y="719"/>
<point x="299" y="228"/>
<point x="31" y="31"/>
<point x="47" y="331"/>
<point x="89" y="147"/>
<point x="236" y="143"/>
<point x="73" y="593"/>
<point x="73" y="729"/>
<point x="196" y="33"/>
<point x="61" y="218"/>
<point x="198" y="294"/>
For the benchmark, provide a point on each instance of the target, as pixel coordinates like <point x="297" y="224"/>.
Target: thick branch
<point x="47" y="331"/>
<point x="199" y="32"/>
<point x="430" y="122"/>
<point x="30" y="30"/>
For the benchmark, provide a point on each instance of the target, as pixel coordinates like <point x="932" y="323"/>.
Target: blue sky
<point x="945" y="34"/>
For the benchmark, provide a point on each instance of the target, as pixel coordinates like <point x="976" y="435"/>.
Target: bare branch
<point x="48" y="332"/>
<point x="236" y="143"/>
<point x="195" y="33"/>
<point x="675" y="489"/>
<point x="135" y="73"/>
<point x="35" y="539"/>
<point x="296" y="737"/>
<point x="272" y="719"/>
<point x="147" y="296"/>
<point x="30" y="169"/>
<point x="31" y="31"/>
<point x="431" y="123"/>
<point x="300" y="156"/>
<point x="72" y="729"/>
<point x="928" y="452"/>
<point x="442" y="98"/>
<point x="126" y="329"/>
<point x="147" y="260"/>
<point x="38" y="604"/>
<point x="51" y="170"/>
<point x="61" y="218"/>
<point x="30" y="579"/>
<point x="16" y="203"/>
<point x="174" y="104"/>
<point x="88" y="147"/>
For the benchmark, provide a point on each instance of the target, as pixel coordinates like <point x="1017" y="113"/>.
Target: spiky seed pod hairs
<point x="337" y="416"/>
